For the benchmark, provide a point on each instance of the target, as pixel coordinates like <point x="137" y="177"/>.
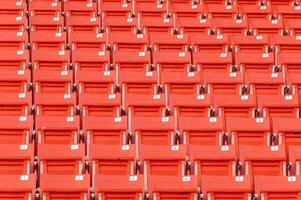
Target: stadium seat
<point x="263" y="72"/>
<point x="204" y="131"/>
<point x="57" y="130"/>
<point x="16" y="129"/>
<point x="90" y="65"/>
<point x="210" y="43"/>
<point x="13" y="16"/>
<point x="154" y="17"/>
<point x="291" y="63"/>
<point x="251" y="43"/>
<point x="129" y="42"/>
<point x="269" y="160"/>
<point x="230" y="24"/>
<point x="233" y="99"/>
<point x="48" y="5"/>
<point x="223" y="187"/>
<point x="114" y="187"/>
<point x="16" y="97"/>
<point x="144" y="99"/>
<point x="286" y="44"/>
<point x="294" y="158"/>
<point x="198" y="23"/>
<point x="219" y="7"/>
<point x="17" y="186"/>
<point x="116" y="22"/>
<point x="249" y="131"/>
<point x="254" y="8"/>
<point x="17" y="159"/>
<point x="188" y="98"/>
<point x="185" y="6"/>
<point x="168" y="42"/>
<point x="279" y="100"/>
<point x="75" y="187"/>
<point x="288" y="130"/>
<point x="12" y="60"/>
<point x="277" y="187"/>
<point x="210" y="150"/>
<point x="269" y="24"/>
<point x="135" y="67"/>
<point x="217" y="68"/>
<point x="175" y="66"/>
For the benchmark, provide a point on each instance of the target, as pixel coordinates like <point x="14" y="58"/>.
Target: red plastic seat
<point x="230" y="23"/>
<point x="210" y="43"/>
<point x="46" y="22"/>
<point x="268" y="24"/>
<point x="51" y="60"/>
<point x="198" y="23"/>
<point x="113" y="157"/>
<point x="11" y="41"/>
<point x="217" y="68"/>
<point x="175" y="66"/>
<point x="210" y="150"/>
<point x="279" y="100"/>
<point x="234" y="99"/>
<point x="91" y="65"/>
<point x="288" y="130"/>
<point x="173" y="187"/>
<point x="292" y="65"/>
<point x="12" y="60"/>
<point x="114" y="161"/>
<point x="249" y="131"/>
<point x="13" y="16"/>
<point x="57" y="130"/>
<point x="213" y="160"/>
<point x="204" y="131"/>
<point x="129" y="42"/>
<point x="218" y="7"/>
<point x="188" y="98"/>
<point x="266" y="160"/>
<point x="17" y="186"/>
<point x="254" y="8"/>
<point x="259" y="68"/>
<point x="294" y="159"/>
<point x="290" y="18"/>
<point x="116" y="187"/>
<point x="106" y="102"/>
<point x="81" y="16"/>
<point x="185" y="6"/>
<point x="54" y="94"/>
<point x="163" y="162"/>
<point x="144" y="99"/>
<point x="135" y="67"/>
<point x="45" y="5"/>
<point x="156" y="137"/>
<point x="278" y="187"/>
<point x="7" y="5"/>
<point x="150" y="6"/>
<point x="63" y="160"/>
<point x="287" y="44"/>
<point x="17" y="159"/>
<point x="60" y="186"/>
<point x="116" y="6"/>
<point x="152" y="22"/>
<point x="15" y="95"/>
<point x="16" y="129"/>
<point x="224" y="187"/>
<point x="116" y="22"/>
<point x="167" y="42"/>
<point x="107" y="133"/>
<point x="250" y="44"/>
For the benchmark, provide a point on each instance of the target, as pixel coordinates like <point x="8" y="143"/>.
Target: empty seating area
<point x="150" y="99"/>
